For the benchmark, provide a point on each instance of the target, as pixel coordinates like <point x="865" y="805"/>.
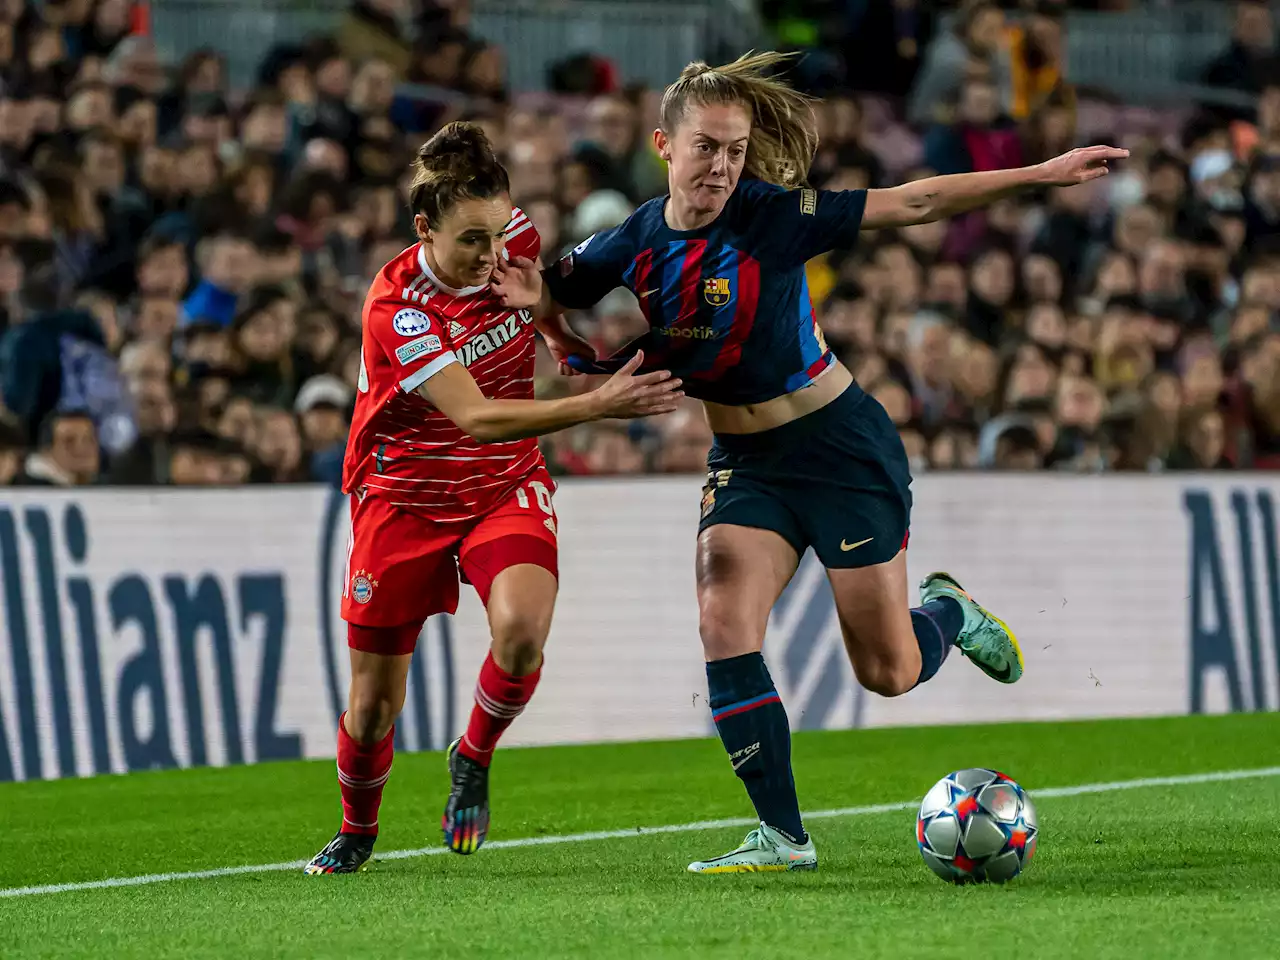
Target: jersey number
<point x="540" y="492"/>
<point x="362" y="382"/>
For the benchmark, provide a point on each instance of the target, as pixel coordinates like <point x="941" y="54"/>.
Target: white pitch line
<point x="1078" y="790"/>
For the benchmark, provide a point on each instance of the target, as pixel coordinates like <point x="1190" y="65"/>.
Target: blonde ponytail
<point x="784" y="133"/>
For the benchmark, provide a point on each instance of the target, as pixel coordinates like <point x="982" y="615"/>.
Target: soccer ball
<point x="977" y="826"/>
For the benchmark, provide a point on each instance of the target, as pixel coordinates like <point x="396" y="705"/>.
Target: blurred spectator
<point x="67" y="453"/>
<point x="146" y="461"/>
<point x="1036" y="60"/>
<point x="194" y="460"/>
<point x="879" y="45"/>
<point x="279" y="445"/>
<point x="610" y="450"/>
<point x="843" y="161"/>
<point x="1202" y="442"/>
<point x="1051" y="128"/>
<point x="323" y="407"/>
<point x="992" y="286"/>
<point x="371" y="28"/>
<point x="13" y="447"/>
<point x="972" y="49"/>
<point x="976" y="140"/>
<point x="60" y="359"/>
<point x="954" y="447"/>
<point x="684" y="438"/>
<point x="1017" y="448"/>
<point x="227" y="270"/>
<point x="1079" y="406"/>
<point x="1248" y="63"/>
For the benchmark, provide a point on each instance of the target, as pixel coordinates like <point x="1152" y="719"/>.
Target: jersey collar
<point x="438" y="283"/>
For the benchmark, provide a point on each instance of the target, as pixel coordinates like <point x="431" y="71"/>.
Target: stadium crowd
<point x="182" y="265"/>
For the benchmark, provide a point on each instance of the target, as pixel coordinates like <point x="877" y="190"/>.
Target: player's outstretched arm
<point x="562" y="342"/>
<point x="937" y="198"/>
<point x="518" y="284"/>
<point x="624" y="396"/>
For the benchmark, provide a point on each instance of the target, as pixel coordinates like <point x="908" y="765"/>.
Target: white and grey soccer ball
<point x="977" y="826"/>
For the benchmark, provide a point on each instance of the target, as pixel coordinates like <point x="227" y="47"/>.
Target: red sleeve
<point x="522" y="237"/>
<point x="413" y="339"/>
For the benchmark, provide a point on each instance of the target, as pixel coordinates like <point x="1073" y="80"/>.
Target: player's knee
<point x="887" y="676"/>
<point x="518" y="639"/>
<point x="725" y="631"/>
<point x="370" y="714"/>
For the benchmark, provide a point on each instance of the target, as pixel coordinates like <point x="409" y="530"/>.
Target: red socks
<point x="363" y="769"/>
<point x="362" y="772"/>
<point x="500" y="698"/>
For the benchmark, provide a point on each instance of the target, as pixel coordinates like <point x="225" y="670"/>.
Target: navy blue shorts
<point x="836" y="480"/>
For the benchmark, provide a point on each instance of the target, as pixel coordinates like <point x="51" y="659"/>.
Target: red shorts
<point x="403" y="568"/>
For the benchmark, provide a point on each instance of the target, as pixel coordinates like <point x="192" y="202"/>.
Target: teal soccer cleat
<point x="985" y="638"/>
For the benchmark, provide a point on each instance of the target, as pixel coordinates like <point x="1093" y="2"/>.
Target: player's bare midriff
<point x="755" y="417"/>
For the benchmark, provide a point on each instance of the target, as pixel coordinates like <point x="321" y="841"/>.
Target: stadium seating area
<point x="182" y="265"/>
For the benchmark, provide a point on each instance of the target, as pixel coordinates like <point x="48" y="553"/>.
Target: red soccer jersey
<point x="403" y="449"/>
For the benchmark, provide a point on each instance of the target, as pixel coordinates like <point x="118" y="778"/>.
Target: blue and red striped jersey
<point x="728" y="304"/>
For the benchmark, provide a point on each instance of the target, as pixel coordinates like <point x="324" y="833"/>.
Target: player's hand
<point x="563" y="344"/>
<point x="1079" y="166"/>
<point x="626" y="396"/>
<point x="517" y="283"/>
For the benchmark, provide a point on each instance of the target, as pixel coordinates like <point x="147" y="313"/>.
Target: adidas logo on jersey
<point x="456" y="329"/>
<point x="483" y="344"/>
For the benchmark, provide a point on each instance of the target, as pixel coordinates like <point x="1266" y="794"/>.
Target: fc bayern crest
<point x="362" y="585"/>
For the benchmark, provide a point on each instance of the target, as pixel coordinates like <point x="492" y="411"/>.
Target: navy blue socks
<point x="753" y="728"/>
<point x="753" y="725"/>
<point x="937" y="625"/>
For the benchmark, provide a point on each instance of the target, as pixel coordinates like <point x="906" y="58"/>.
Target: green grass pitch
<point x="1188" y="870"/>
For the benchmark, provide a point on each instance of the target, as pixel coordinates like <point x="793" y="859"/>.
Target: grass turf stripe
<point x="1184" y="780"/>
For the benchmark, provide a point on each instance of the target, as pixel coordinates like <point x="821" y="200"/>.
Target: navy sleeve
<point x="798" y="225"/>
<point x="582" y="277"/>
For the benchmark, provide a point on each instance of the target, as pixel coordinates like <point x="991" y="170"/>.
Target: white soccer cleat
<point x="764" y="850"/>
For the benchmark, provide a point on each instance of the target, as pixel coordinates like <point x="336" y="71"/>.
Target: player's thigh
<point x="515" y="576"/>
<point x="511" y="557"/>
<point x="749" y="545"/>
<point x="521" y="604"/>
<point x="741" y="572"/>
<point x="875" y="619"/>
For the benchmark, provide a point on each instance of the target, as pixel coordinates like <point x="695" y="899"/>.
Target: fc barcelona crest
<point x="708" y="502"/>
<point x="715" y="290"/>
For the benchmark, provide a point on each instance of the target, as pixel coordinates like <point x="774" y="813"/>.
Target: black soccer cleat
<point x="466" y="813"/>
<point x="346" y="853"/>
